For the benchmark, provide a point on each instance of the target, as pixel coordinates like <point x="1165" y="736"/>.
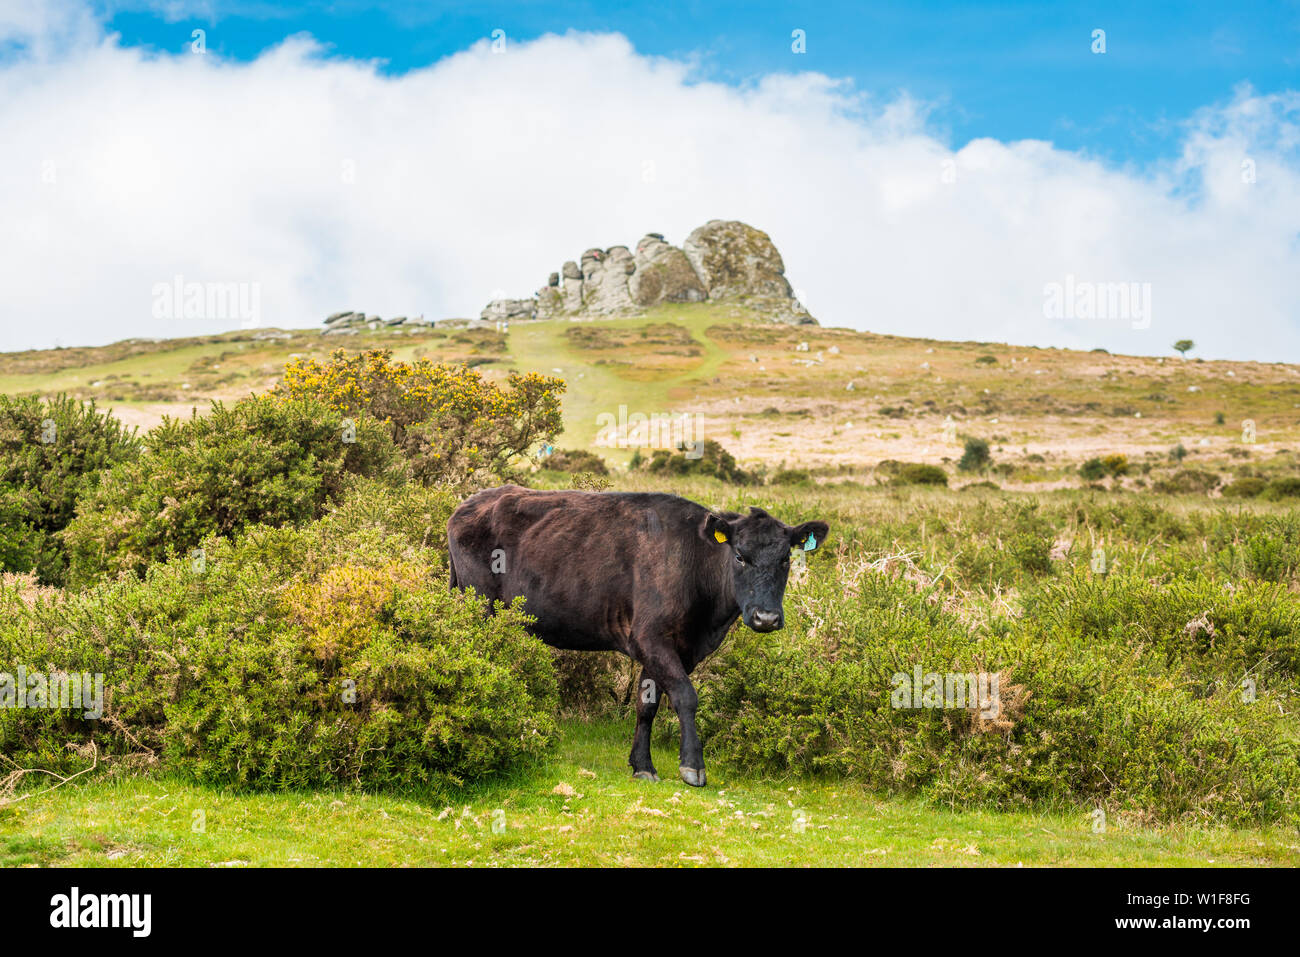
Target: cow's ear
<point x="715" y="529"/>
<point x="809" y="535"/>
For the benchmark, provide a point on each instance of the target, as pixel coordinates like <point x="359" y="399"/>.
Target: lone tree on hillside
<point x="1184" y="346"/>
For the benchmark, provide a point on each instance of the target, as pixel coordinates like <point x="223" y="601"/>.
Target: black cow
<point x="654" y="576"/>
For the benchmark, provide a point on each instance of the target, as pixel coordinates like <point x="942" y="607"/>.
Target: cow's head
<point x="758" y="548"/>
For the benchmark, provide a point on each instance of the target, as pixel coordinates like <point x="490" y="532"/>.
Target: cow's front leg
<point x="647" y="705"/>
<point x="685" y="700"/>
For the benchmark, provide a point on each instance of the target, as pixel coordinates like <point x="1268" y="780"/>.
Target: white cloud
<point x="486" y="171"/>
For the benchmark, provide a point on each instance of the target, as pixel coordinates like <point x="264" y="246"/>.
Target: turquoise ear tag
<point x="811" y="543"/>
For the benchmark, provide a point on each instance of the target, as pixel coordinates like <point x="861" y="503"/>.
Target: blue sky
<point x="1005" y="70"/>
<point x="929" y="169"/>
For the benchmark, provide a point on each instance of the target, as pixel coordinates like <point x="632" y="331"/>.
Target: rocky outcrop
<point x="507" y="309"/>
<point x="604" y="282"/>
<point x="733" y="259"/>
<point x="350" y="323"/>
<point x="663" y="274"/>
<point x="723" y="260"/>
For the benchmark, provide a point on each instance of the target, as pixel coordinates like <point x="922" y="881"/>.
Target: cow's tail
<point x="454" y="579"/>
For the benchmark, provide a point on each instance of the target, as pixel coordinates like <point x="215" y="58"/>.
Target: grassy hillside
<point x="765" y="399"/>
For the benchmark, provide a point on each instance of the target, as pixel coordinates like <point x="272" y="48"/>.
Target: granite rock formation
<point x="722" y="261"/>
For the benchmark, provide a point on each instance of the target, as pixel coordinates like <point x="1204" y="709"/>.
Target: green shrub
<point x="1187" y="481"/>
<point x="712" y="459"/>
<point x="1099" y="468"/>
<point x="575" y="460"/>
<point x="595" y="684"/>
<point x="264" y="460"/>
<point x="1265" y="547"/>
<point x="1085" y="715"/>
<point x="976" y="455"/>
<point x="51" y="455"/>
<point x="1282" y="489"/>
<point x="792" y="477"/>
<point x="916" y="473"/>
<point x="1214" y="630"/>
<point x="1092" y="470"/>
<point x="330" y="655"/>
<point x="1248" y="487"/>
<point x="20" y="543"/>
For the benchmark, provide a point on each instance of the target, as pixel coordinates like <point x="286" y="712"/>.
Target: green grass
<point x="609" y="819"/>
<point x="543" y="347"/>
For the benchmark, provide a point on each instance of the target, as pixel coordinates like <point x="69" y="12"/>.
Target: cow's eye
<point x="740" y="559"/>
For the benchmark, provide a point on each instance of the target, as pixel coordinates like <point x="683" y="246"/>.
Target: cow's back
<point x="581" y="560"/>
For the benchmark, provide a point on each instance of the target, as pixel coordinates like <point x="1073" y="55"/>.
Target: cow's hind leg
<point x="647" y="705"/>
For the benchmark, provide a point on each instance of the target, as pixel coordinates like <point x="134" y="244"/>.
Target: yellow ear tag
<point x="719" y="536"/>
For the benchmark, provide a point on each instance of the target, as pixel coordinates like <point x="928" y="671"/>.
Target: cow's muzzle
<point x="765" y="620"/>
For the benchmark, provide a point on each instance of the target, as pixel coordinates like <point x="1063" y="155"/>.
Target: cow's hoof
<point x="695" y="777"/>
<point x="645" y="776"/>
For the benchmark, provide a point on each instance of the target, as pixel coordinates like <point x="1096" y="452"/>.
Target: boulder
<point x="550" y="302"/>
<point x="591" y="260"/>
<point x="499" y="309"/>
<point x="734" y="259"/>
<point x="663" y="274"/>
<point x="604" y="284"/>
<point x="571" y="293"/>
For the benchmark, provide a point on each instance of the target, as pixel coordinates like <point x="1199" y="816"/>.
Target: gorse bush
<point x="975" y="455"/>
<point x="1282" y="489"/>
<point x="1247" y="487"/>
<point x="709" y="459"/>
<point x="791" y="477"/>
<point x="575" y="461"/>
<point x="329" y="655"/>
<point x="20" y="543"/>
<point x="1099" y="468"/>
<point x="1211" y="629"/>
<point x="595" y="684"/>
<point x="1155" y="724"/>
<point x="263" y="460"/>
<point x="454" y="426"/>
<point x="915" y="473"/>
<point x="51" y="454"/>
<point x="1005" y="543"/>
<point x="1187" y="481"/>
